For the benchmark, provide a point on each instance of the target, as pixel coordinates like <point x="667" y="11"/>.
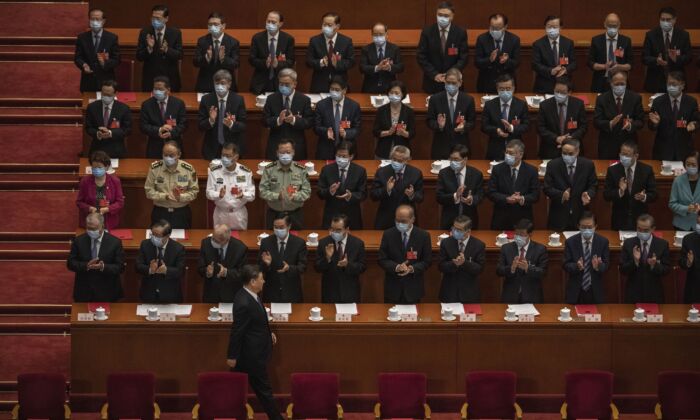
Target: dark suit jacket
<point x="341" y="284"/>
<point x="491" y="121"/>
<point x="161" y="288"/>
<point x="378" y="82"/>
<point x="543" y="62"/>
<point x="388" y="203"/>
<point x="355" y="182"/>
<point x="259" y="51"/>
<point x="409" y="288"/>
<point x="691" y="293"/>
<point x="644" y="283"/>
<point x="626" y="209"/>
<point x="211" y="149"/>
<point x="598" y="54"/>
<point x="85" y="52"/>
<point x="654" y="44"/>
<point x="231" y="61"/>
<point x="434" y="61"/>
<point x="382" y="122"/>
<point x="317" y="49"/>
<point x="250" y="343"/>
<point x="610" y="140"/>
<point x="120" y="115"/>
<point x="301" y="107"/>
<point x="324" y="118"/>
<point x="573" y="251"/>
<point x="565" y="216"/>
<point x="157" y="63"/>
<point x="500" y="187"/>
<point x="672" y="142"/>
<point x="521" y="286"/>
<point x="284" y="287"/>
<point x="461" y="284"/>
<point x="96" y="285"/>
<point x="446" y="188"/>
<point x="444" y="139"/>
<point x="488" y="70"/>
<point x="217" y="289"/>
<point x="548" y="125"/>
<point x="151" y="121"/>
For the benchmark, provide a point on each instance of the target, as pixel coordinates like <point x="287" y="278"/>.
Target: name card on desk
<point x="526" y="318"/>
<point x="227" y="317"/>
<point x="343" y="317"/>
<point x="467" y="317"/>
<point x="409" y="317"/>
<point x="168" y="317"/>
<point x="87" y="316"/>
<point x="592" y="318"/>
<point x="655" y="318"/>
<point x="280" y="317"/>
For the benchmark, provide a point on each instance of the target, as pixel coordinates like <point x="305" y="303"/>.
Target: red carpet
<point x="34" y="353"/>
<point x="40" y="143"/>
<point x="35" y="282"/>
<point x="57" y="19"/>
<point x="38" y="211"/>
<point x="58" y="80"/>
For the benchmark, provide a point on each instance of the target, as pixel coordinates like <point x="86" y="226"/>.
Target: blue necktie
<point x="337" y="121"/>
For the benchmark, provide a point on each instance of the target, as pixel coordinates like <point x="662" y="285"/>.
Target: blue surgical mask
<point x="328" y="31"/>
<point x="505" y="95"/>
<point x="666" y="25"/>
<point x="458" y="234"/>
<point x="342" y="162"/>
<point x="451" y="88"/>
<point x="510" y="159"/>
<point x="560" y="97"/>
<point x="443" y="21"/>
<point x="281" y="233"/>
<point x="285" y="158"/>
<point x="619" y="90"/>
<point x="394" y="98"/>
<point x="96" y="25"/>
<point x="226" y="161"/>
<point x="643" y="236"/>
<point x="107" y="100"/>
<point x="98" y="172"/>
<point x="587" y="233"/>
<point x="569" y="159"/>
<point x="271" y="28"/>
<point x="157" y="23"/>
<point x="93" y="234"/>
<point x="156" y="241"/>
<point x="285" y="90"/>
<point x="397" y="166"/>
<point x="215" y="30"/>
<point x="402" y="227"/>
<point x="379" y="40"/>
<point x="552" y="33"/>
<point x="456" y="165"/>
<point x="221" y="89"/>
<point x="169" y="160"/>
<point x="626" y="161"/>
<point x="611" y="31"/>
<point x="521" y="241"/>
<point x="673" y="90"/>
<point x="692" y="170"/>
<point x="159" y="94"/>
<point x="336" y="95"/>
<point x="337" y="236"/>
<point x="496" y="34"/>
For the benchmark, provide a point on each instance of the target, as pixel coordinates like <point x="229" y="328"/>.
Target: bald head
<point x="405" y="214"/>
<point x="613" y="20"/>
<point x="222" y="234"/>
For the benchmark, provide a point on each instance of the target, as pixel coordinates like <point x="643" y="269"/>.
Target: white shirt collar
<point x="552" y="41"/>
<point x="335" y="37"/>
<point x="219" y="99"/>
<point x="218" y="38"/>
<point x="527" y="245"/>
<point x="97" y="34"/>
<point x="252" y="293"/>
<point x="285" y="240"/>
<point x="506" y="103"/>
<point x="446" y="29"/>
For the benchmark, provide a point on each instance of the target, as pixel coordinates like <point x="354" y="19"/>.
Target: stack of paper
<point x="524" y="309"/>
<point x="407" y="309"/>
<point x="226" y="308"/>
<point x="674" y="164"/>
<point x="179" y="310"/>
<point x="457" y="308"/>
<point x="114" y="163"/>
<point x="487" y="98"/>
<point x="534" y="101"/>
<point x="281" y="308"/>
<point x="626" y="234"/>
<point x="346" y="308"/>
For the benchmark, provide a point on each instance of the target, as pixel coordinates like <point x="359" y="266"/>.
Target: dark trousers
<point x="585" y="297"/>
<point x="296" y="217"/>
<point x="260" y="383"/>
<point x="180" y="218"/>
<point x="154" y="148"/>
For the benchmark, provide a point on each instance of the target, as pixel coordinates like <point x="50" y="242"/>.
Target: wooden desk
<point x="540" y="352"/>
<point x="132" y="173"/>
<point x="372" y="281"/>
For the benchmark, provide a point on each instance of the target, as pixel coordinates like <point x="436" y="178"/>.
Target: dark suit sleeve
<point x="384" y="259"/>
<point x="539" y="268"/>
<point x="174" y="52"/>
<point x="482" y="55"/>
<point x="605" y="263"/>
<point x="478" y="190"/>
<point x="202" y="260"/>
<point x="471" y="116"/>
<point x="321" y="265"/>
<point x="546" y="135"/>
<point x="514" y="59"/>
<point x="300" y="266"/>
<point x="177" y="270"/>
<point x="423" y="56"/>
<point x="533" y="193"/>
<point x="421" y="266"/>
<point x="361" y="193"/>
<point x="410" y="123"/>
<point x="232" y="58"/>
<point x="347" y="59"/>
<point x="476" y="265"/>
<point x="488" y="125"/>
<point x="648" y="56"/>
<point x="240" y="326"/>
<point x="650" y="186"/>
<point x="503" y="267"/>
<point x="612" y="188"/>
<point x="114" y="56"/>
<point x="74" y="263"/>
<point x="524" y="126"/>
<point x="91" y="125"/>
<point x="200" y="53"/>
<point x="307" y="117"/>
<point x="582" y="123"/>
<point x="289" y="58"/>
<point x="125" y="124"/>
<point x="418" y="189"/>
<point x="571" y="55"/>
<point x="570" y="261"/>
<point x="592" y="183"/>
<point x="686" y="51"/>
<point x="463" y="50"/>
<point x="79" y="57"/>
<point x="627" y="265"/>
<point x="324" y="186"/>
<point x="685" y="249"/>
<point x="311" y="60"/>
<point x="550" y="189"/>
<point x="397" y="65"/>
<point x="142" y="47"/>
<point x="204" y="124"/>
<point x="663" y="262"/>
<point x="234" y="269"/>
<point x="320" y="128"/>
<point x="365" y="66"/>
<point x="115" y="267"/>
<point x="141" y="263"/>
<point x="446" y="265"/>
<point x="239" y="125"/>
<point x="269" y="120"/>
<point x="444" y="196"/>
<point x="493" y="192"/>
<point x="148" y="127"/>
<point x="538" y="65"/>
<point x="355" y="124"/>
<point x="432" y="115"/>
<point x="257" y="58"/>
<point x="355" y="268"/>
<point x="600" y="120"/>
<point x="378" y="190"/>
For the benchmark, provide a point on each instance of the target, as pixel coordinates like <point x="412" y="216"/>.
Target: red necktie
<point x="162" y="110"/>
<point x="105" y="117"/>
<point x="331" y="52"/>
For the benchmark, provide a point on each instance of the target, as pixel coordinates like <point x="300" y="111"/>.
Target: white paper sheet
<point x="199" y="96"/>
<point x="407" y="309"/>
<point x="625" y="234"/>
<point x="226" y="308"/>
<point x="281" y="308"/>
<point x="532" y="100"/>
<point x="346" y="308"/>
<point x="524" y="309"/>
<point x="179" y="310"/>
<point x="176" y="234"/>
<point x="114" y="163"/>
<point x="457" y="308"/>
<point x="379" y="100"/>
<point x="569" y="233"/>
<point x="675" y="164"/>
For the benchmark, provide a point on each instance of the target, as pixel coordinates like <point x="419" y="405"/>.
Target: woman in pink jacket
<point x="100" y="192"/>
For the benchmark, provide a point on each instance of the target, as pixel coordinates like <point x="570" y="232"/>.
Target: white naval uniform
<point x="230" y="210"/>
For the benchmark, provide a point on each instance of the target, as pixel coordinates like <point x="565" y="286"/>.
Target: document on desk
<point x="407" y="309"/>
<point x="346" y="308"/>
<point x="457" y="308"/>
<point x="524" y="309"/>
<point x="226" y="308"/>
<point x="179" y="310"/>
<point x="281" y="308"/>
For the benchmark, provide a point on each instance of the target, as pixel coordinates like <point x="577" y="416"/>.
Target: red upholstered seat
<point x="38" y="211"/>
<point x="41" y="396"/>
<point x="315" y="395"/>
<point x="402" y="395"/>
<point x="222" y="395"/>
<point x="37" y="143"/>
<point x="679" y="395"/>
<point x="491" y="395"/>
<point x="50" y="282"/>
<point x="131" y="396"/>
<point x="589" y="396"/>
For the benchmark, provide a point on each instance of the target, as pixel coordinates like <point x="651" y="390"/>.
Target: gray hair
<point x="223" y="75"/>
<point x="454" y="71"/>
<point x="96" y="217"/>
<point x="515" y="143"/>
<point x="401" y="149"/>
<point x="287" y="73"/>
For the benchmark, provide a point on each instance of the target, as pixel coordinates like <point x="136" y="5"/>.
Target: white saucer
<point x="393" y="319"/>
<point x="312" y="173"/>
<point x="310" y="244"/>
<point x="488" y="171"/>
<point x="692" y="321"/>
<point x="102" y="319"/>
<point x="639" y="320"/>
<point x="316" y="319"/>
<point x="505" y="318"/>
<point x="666" y="173"/>
<point x="551" y="244"/>
<point x="218" y="318"/>
<point x="569" y="319"/>
<point x="259" y="172"/>
<point x="452" y="318"/>
<point x="152" y="319"/>
<point x="434" y="172"/>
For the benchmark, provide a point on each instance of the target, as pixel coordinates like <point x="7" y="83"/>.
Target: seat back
<point x="222" y="395"/>
<point x="315" y="395"/>
<point x="402" y="395"/>
<point x="131" y="395"/>
<point x="490" y="394"/>
<point x="41" y="395"/>
<point x="679" y="394"/>
<point x="589" y="394"/>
